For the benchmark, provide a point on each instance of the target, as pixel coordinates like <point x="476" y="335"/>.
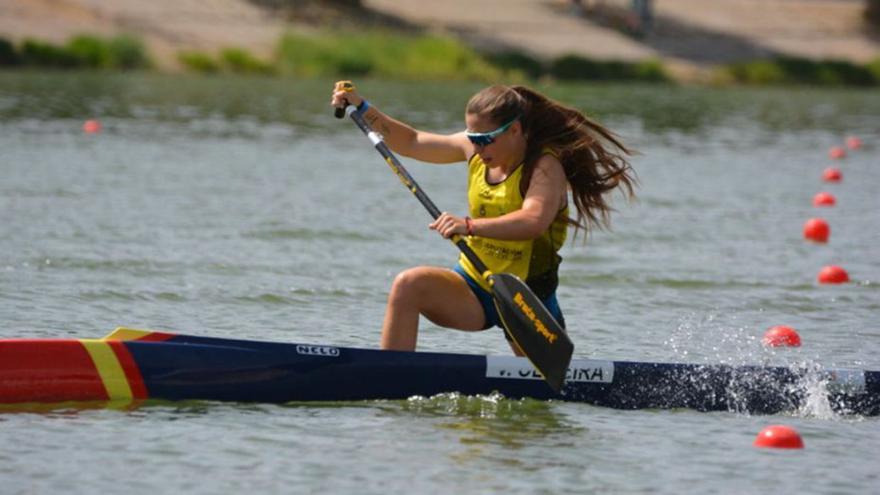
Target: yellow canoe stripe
<point x="111" y="372"/>
<point x="123" y="333"/>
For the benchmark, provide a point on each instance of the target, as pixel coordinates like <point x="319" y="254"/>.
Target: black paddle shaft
<point x="411" y="183"/>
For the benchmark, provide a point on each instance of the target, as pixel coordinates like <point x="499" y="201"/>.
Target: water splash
<point x="494" y="419"/>
<point x="493" y="405"/>
<point x="812" y="390"/>
<point x="713" y="339"/>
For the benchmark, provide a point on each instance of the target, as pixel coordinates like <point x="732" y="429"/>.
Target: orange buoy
<point x="779" y="437"/>
<point x="781" y="336"/>
<point x="91" y="126"/>
<point x="853" y="142"/>
<point x="817" y="230"/>
<point x="837" y="152"/>
<point x="832" y="174"/>
<point x="824" y="199"/>
<point x="833" y="274"/>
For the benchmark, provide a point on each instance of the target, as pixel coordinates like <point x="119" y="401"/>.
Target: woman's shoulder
<point x="547" y="150"/>
<point x="549" y="166"/>
<point x="549" y="159"/>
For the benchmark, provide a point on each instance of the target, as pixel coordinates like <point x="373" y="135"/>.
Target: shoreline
<point x="689" y="38"/>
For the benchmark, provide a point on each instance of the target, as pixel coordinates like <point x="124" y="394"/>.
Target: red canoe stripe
<point x="130" y="368"/>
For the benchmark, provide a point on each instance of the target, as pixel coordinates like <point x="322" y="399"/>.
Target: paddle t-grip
<point x="346" y="86"/>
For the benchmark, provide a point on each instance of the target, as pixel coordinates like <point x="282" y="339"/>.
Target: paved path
<point x="687" y="34"/>
<point x="166" y="26"/>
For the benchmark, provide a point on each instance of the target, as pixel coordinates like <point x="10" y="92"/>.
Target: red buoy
<point x="837" y="152"/>
<point x="832" y="174"/>
<point x="817" y="230"/>
<point x="833" y="274"/>
<point x="853" y="142"/>
<point x="91" y="127"/>
<point x="781" y="336"/>
<point x="824" y="199"/>
<point x="779" y="437"/>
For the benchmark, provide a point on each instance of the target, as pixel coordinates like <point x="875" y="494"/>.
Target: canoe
<point x="133" y="365"/>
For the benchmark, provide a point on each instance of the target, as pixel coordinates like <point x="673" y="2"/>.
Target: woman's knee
<point x="409" y="285"/>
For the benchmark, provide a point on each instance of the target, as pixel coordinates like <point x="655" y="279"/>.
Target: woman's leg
<point x="440" y="294"/>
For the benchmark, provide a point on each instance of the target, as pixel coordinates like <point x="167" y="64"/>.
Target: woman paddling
<point x="524" y="152"/>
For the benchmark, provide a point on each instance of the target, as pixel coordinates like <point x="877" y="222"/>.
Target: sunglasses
<point x="487" y="138"/>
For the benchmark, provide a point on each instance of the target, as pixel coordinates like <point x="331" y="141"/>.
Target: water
<point x="238" y="207"/>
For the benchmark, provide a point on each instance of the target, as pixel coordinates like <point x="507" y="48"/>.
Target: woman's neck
<point x="516" y="158"/>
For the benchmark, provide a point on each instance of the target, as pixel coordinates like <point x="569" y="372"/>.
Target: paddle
<point x="523" y="315"/>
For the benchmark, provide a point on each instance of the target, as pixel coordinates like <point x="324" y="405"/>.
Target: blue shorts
<point x="488" y="303"/>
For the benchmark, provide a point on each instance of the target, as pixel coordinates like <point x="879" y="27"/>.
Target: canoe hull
<point x="133" y="365"/>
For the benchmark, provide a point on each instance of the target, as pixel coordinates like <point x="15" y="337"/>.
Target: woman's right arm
<point x="410" y="142"/>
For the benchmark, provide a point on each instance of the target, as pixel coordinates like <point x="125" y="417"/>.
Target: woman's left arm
<point x="544" y="198"/>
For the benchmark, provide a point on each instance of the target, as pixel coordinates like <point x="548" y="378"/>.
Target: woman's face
<point x="505" y="146"/>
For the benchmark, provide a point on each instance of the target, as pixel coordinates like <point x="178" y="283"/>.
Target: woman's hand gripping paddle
<point x="523" y="315"/>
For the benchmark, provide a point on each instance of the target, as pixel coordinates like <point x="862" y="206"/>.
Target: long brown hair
<point x="593" y="158"/>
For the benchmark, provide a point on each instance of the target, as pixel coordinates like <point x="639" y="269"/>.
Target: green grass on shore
<point x="792" y="70"/>
<point x="388" y="54"/>
<point x="383" y="54"/>
<point x="235" y="60"/>
<point x="391" y="55"/>
<point x="81" y="52"/>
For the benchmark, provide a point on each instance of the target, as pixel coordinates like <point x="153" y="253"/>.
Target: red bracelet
<point x="470" y="225"/>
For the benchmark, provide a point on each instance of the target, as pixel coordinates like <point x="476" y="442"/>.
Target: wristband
<point x="363" y="107"/>
<point x="470" y="225"/>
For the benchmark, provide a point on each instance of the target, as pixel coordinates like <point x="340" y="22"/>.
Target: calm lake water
<point x="237" y="207"/>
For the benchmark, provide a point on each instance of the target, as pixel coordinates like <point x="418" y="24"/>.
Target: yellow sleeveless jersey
<point x="536" y="261"/>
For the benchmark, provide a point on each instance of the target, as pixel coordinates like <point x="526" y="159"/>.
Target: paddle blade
<point x="533" y="328"/>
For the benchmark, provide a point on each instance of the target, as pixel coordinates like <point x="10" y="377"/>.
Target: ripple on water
<point x="312" y="234"/>
<point x="118" y="295"/>
<point x="297" y="296"/>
